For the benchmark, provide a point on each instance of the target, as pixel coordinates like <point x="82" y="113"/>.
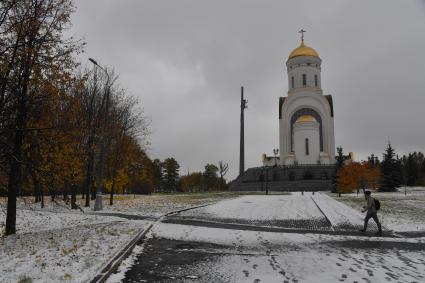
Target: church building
<point x="306" y="116"/>
<point x="306" y="156"/>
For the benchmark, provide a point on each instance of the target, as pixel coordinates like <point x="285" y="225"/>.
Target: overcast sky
<point x="186" y="61"/>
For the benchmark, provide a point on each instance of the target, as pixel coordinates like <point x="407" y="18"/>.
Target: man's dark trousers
<point x="373" y="215"/>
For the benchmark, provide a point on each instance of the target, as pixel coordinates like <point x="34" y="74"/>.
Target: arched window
<point x="304" y="79"/>
<point x="292" y="82"/>
<point x="316" y="81"/>
<point x="306" y="147"/>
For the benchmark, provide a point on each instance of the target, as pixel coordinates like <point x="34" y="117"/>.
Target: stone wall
<point x="286" y="178"/>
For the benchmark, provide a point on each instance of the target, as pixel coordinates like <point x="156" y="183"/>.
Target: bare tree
<point x="222" y="169"/>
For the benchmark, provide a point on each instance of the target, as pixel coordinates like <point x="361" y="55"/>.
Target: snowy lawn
<point x="399" y="212"/>
<point x="56" y="243"/>
<point x="52" y="247"/>
<point x="153" y="205"/>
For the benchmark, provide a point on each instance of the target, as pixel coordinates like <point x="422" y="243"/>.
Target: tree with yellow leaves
<point x="355" y="176"/>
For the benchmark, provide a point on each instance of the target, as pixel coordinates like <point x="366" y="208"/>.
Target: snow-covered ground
<point x="56" y="243"/>
<point x="153" y="205"/>
<point x="339" y="214"/>
<point x="399" y="211"/>
<point x="260" y="208"/>
<point x="307" y="211"/>
<point x="52" y="247"/>
<point x="279" y="257"/>
<point x="204" y="251"/>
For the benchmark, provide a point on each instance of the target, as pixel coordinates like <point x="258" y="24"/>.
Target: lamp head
<point x="93" y="61"/>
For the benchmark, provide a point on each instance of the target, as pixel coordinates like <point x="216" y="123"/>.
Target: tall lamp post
<point x="267" y="180"/>
<point x="242" y="135"/>
<point x="98" y="205"/>
<point x="275" y="152"/>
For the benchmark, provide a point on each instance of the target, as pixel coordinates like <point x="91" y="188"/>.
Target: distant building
<point x="306" y="132"/>
<point x="348" y="158"/>
<point x="306" y="116"/>
<point x="270" y="160"/>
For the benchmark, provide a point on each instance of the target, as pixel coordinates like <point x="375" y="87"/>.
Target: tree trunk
<point x="37" y="193"/>
<point x="73" y="197"/>
<point x="111" y="199"/>
<point x="65" y="192"/>
<point x="87" y="189"/>
<point x="13" y="184"/>
<point x="87" y="184"/>
<point x="42" y="199"/>
<point x="15" y="172"/>
<point x="93" y="191"/>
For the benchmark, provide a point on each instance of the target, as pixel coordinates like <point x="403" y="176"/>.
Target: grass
<point x="396" y="207"/>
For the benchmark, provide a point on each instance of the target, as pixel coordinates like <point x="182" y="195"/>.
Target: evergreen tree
<point x="339" y="158"/>
<point x="412" y="170"/>
<point x="423" y="173"/>
<point x="338" y="166"/>
<point x="390" y="170"/>
<point x="373" y="160"/>
<point x="171" y="174"/>
<point x="210" y="176"/>
<point x="158" y="175"/>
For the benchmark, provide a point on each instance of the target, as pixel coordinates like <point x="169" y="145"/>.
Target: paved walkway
<point x="297" y="238"/>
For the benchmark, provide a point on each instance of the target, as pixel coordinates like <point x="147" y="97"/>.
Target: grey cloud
<point x="186" y="60"/>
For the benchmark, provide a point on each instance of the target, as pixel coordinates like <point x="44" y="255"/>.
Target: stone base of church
<point x="286" y="178"/>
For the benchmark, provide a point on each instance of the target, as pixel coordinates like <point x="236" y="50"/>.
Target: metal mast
<point x="242" y="138"/>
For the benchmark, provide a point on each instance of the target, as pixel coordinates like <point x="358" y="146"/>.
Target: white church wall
<point x="310" y="66"/>
<point x="306" y="100"/>
<point x="307" y="131"/>
<point x="297" y="73"/>
<point x="302" y="96"/>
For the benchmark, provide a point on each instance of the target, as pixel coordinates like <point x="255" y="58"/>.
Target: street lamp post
<point x="275" y="152"/>
<point x="267" y="180"/>
<point x="103" y="140"/>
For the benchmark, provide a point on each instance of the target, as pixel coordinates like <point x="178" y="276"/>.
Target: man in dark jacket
<point x="371" y="213"/>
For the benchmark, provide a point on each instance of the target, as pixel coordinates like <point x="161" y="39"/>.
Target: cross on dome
<point x="302" y="31"/>
<point x="303" y="50"/>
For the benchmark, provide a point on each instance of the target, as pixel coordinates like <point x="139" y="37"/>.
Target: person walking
<point x="371" y="213"/>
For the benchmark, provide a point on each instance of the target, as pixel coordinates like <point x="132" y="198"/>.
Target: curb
<point x="113" y="264"/>
<point x="184" y="209"/>
<point x="326" y="217"/>
<point x="119" y="257"/>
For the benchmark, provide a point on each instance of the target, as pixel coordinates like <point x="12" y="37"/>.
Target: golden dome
<point x="303" y="50"/>
<point x="305" y="118"/>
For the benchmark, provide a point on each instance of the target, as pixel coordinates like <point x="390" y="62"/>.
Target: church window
<point x="304" y="79"/>
<point x="306" y="147"/>
<point x="316" y="81"/>
<point x="292" y="82"/>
